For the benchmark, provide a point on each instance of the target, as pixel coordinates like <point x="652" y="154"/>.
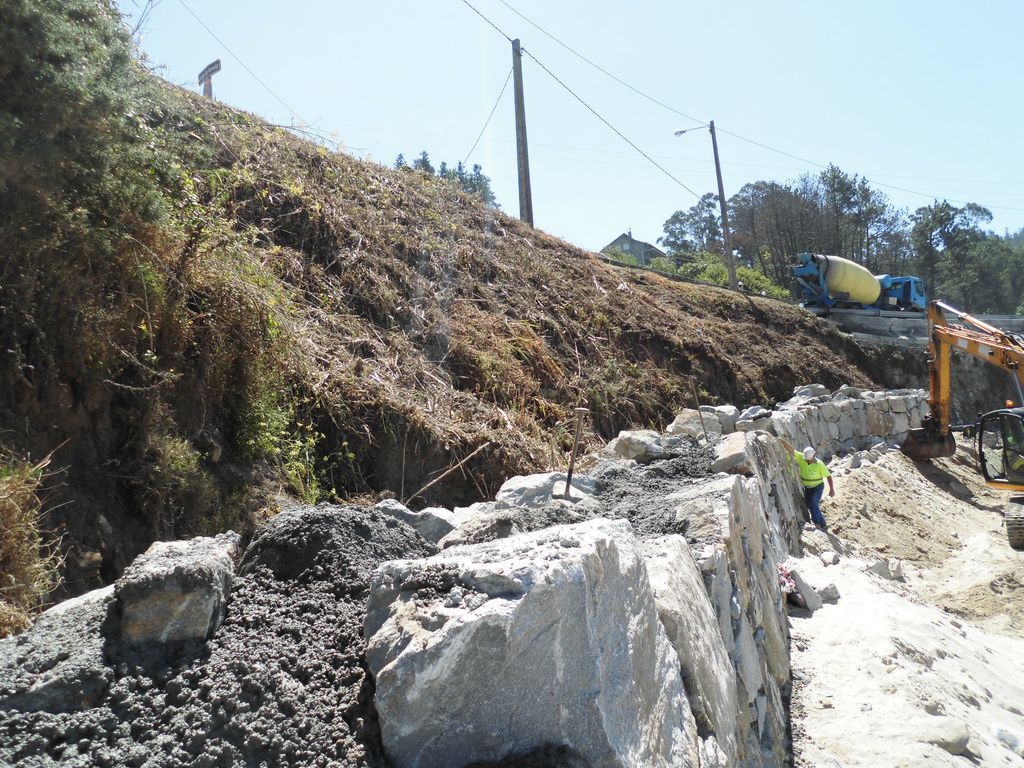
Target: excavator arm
<point x="1000" y="433"/>
<point x="974" y="337"/>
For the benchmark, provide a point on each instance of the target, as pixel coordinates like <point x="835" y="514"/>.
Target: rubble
<point x="530" y="600"/>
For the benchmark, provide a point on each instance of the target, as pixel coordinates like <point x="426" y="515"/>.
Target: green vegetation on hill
<point x="835" y="213"/>
<point x="200" y="313"/>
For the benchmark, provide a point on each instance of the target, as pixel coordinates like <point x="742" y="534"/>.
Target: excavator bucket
<point x="922" y="444"/>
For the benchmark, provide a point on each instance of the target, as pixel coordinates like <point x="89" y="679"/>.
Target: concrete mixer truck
<point x="831" y="282"/>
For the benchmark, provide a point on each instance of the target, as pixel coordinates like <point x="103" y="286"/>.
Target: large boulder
<point x="726" y="415"/>
<point x="694" y="423"/>
<point x="177" y="590"/>
<point x="689" y="618"/>
<point x="549" y="638"/>
<point x="811" y="390"/>
<point x="731" y="455"/>
<point x="539" y="490"/>
<point x="645" y="445"/>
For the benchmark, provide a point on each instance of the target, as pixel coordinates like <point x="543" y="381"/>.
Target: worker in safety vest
<point x="813" y="474"/>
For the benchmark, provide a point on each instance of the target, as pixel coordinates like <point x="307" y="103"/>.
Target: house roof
<point x="627" y="236"/>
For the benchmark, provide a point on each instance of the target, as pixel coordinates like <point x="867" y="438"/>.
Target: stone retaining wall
<point x="843" y="421"/>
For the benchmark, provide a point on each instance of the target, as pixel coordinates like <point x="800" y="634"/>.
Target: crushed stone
<point x="640" y="493"/>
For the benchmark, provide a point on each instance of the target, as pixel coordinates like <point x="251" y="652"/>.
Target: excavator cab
<point x="1001" y="448"/>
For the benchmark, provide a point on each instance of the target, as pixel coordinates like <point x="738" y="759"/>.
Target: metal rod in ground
<point x="696" y="402"/>
<point x="580" y="413"/>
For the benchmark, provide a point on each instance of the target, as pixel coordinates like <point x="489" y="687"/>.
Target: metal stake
<point x="580" y="413"/>
<point x="696" y="401"/>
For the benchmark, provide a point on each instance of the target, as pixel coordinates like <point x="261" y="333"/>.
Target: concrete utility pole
<point x="522" y="154"/>
<point x="730" y="258"/>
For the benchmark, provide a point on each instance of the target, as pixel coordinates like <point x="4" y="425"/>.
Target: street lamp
<point x="730" y="259"/>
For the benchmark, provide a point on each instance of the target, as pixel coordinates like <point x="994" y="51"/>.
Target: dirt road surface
<point x="927" y="668"/>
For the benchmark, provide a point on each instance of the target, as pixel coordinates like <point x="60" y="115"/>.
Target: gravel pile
<point x="282" y="682"/>
<point x="640" y="494"/>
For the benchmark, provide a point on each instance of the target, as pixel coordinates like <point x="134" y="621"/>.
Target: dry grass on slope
<point x="27" y="570"/>
<point x="425" y="324"/>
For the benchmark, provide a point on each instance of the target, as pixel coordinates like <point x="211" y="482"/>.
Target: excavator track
<point x="1015" y="522"/>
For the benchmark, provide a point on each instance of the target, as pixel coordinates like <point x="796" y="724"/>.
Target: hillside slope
<point x="279" y="319"/>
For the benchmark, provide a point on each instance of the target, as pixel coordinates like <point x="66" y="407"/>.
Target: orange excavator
<point x="1000" y="433"/>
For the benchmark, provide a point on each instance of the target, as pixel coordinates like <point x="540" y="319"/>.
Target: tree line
<point x="473" y="182"/>
<point x="840" y="214"/>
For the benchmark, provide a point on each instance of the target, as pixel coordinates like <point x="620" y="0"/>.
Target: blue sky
<point x="924" y="96"/>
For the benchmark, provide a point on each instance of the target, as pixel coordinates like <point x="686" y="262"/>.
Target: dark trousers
<point x="813" y="498"/>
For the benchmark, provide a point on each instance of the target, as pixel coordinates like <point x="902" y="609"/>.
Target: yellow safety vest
<point x="812" y="473"/>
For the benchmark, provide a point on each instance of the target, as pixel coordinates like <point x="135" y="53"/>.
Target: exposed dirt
<point x="919" y="673"/>
<point x="939" y="517"/>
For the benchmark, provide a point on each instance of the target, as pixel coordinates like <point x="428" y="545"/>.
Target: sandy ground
<point x="927" y="670"/>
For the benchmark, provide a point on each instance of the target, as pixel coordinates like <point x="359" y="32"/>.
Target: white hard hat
<point x="808" y="453"/>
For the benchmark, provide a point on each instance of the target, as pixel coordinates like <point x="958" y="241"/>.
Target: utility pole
<point x="730" y="259"/>
<point x="522" y="154"/>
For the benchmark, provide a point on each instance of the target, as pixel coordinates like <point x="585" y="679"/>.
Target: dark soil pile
<point x="282" y="683"/>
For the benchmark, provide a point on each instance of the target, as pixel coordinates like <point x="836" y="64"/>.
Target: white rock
<point x="531" y="491"/>
<point x="462" y="515"/>
<point x="727" y="417"/>
<point x="810" y="390"/>
<point x="847" y="392"/>
<point x="731" y="455"/>
<point x="763" y="424"/>
<point x="945" y="733"/>
<point x="829" y="593"/>
<point x="551" y="637"/>
<point x="810" y="596"/>
<point x="881" y="568"/>
<point x="829" y="557"/>
<point x="754" y="412"/>
<point x="432" y="523"/>
<point x="688" y="617"/>
<point x="694" y="424"/>
<point x="177" y="590"/>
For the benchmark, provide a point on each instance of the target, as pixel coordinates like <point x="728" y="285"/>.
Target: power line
<point x="771" y="149"/>
<point x="617" y="132"/>
<point x="600" y="68"/>
<point x="213" y="34"/>
<point x="495" y="26"/>
<point x="943" y="197"/>
<point x="593" y="111"/>
<point x="488" y="121"/>
<point x="721" y="130"/>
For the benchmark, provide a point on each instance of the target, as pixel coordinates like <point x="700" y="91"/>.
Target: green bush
<point x="708" y="268"/>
